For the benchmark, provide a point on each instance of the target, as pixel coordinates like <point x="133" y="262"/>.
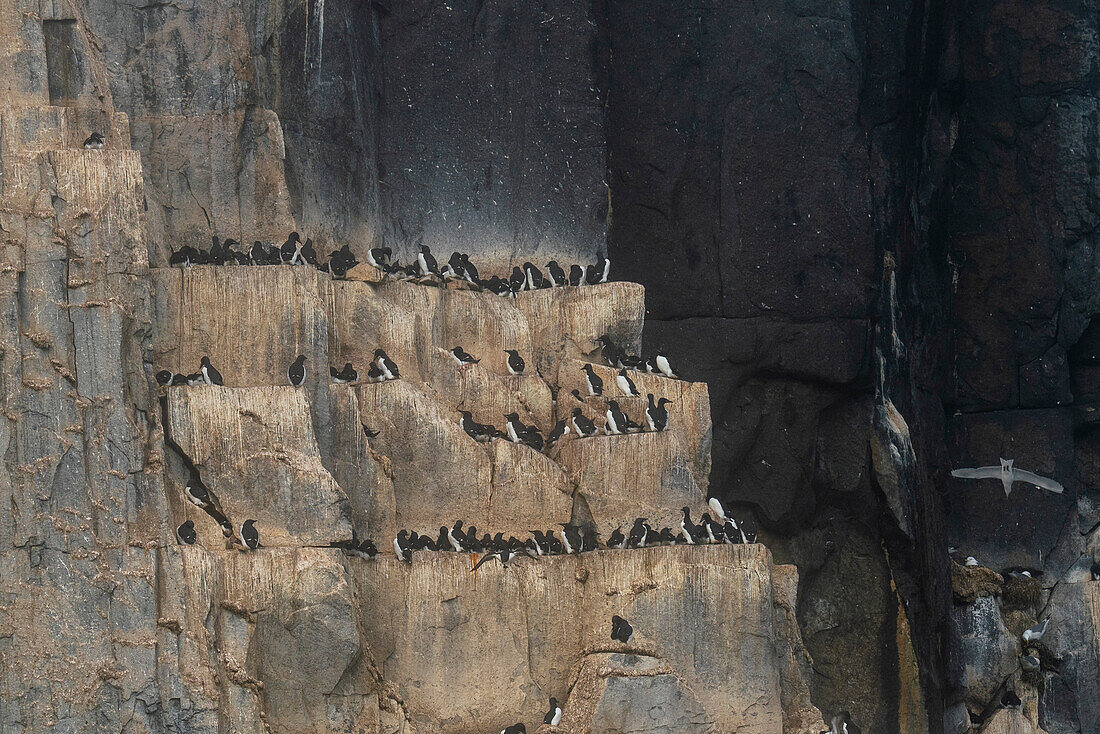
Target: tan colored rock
<point x="256" y="452"/>
<point x="635" y="475"/>
<point x="1010" y="721"/>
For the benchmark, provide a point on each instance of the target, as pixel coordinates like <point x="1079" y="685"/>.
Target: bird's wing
<point x="981" y="472"/>
<point x="1022" y="475"/>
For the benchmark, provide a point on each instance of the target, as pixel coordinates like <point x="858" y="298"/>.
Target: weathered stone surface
<point x="991" y="652"/>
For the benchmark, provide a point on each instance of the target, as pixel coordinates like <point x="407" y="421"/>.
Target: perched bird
<point x="582" y="424"/>
<point x="379" y="257"/>
<point x="185" y="533"/>
<point x="1036" y="632"/>
<point x="625" y="384"/>
<point x="514" y="427"/>
<point x="688" y="530"/>
<point x="94" y="142"/>
<point x="616" y="539"/>
<point x="560" y="429"/>
<point x="711" y="529"/>
<point x="592" y="381"/>
<point x="611" y="352"/>
<point x="469" y="271"/>
<point x="733" y="534"/>
<point x="571" y="538"/>
<point x="514" y="729"/>
<point x="223" y="523"/>
<point x="557" y="275"/>
<point x="621" y="629"/>
<point x="476" y="431"/>
<point x="553" y="716"/>
<point x="1030" y="661"/>
<point x="1094" y="571"/>
<point x="639" y="534"/>
<point x="656" y="415"/>
<point x="386" y="365"/>
<point x="455" y="537"/>
<point x="666" y="537"/>
<point x="515" y="362"/>
<point x="250" y="538"/>
<point x="367" y="549"/>
<point x="616" y="419"/>
<point x="401" y="546"/>
<point x="426" y="262"/>
<point x="164" y="377"/>
<point x="345" y="375"/>
<point x="296" y="372"/>
<point x="196" y="491"/>
<point x="664" y="367"/>
<point x="1008" y="475"/>
<point x="531" y="437"/>
<point x="209" y="375"/>
<point x="374" y="374"/>
<point x="461" y="357"/>
<point x="971" y="561"/>
<point x="368" y="432"/>
<point x="517" y="281"/>
<point x="535" y="281"/>
<point x="290" y="252"/>
<point x="842" y="724"/>
<point x="576" y="275"/>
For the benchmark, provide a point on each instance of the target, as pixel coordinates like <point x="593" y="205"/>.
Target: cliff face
<point x="866" y="228"/>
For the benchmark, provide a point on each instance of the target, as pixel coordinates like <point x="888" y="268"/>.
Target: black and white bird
<point x="185" y="533"/>
<point x="366" y="549"/>
<point x="164" y="377"/>
<point x="477" y="431"/>
<point x="94" y="142"/>
<point x="386" y="365"/>
<point x="1008" y="475"/>
<point x="664" y="366"/>
<point x="571" y="538"/>
<point x="196" y="491"/>
<point x="553" y="716"/>
<point x="560" y="429"/>
<point x="556" y="275"/>
<point x="842" y="724"/>
<point x="1030" y="661"/>
<point x="368" y="432"/>
<point x="209" y="375"/>
<point x="712" y="530"/>
<point x="656" y="414"/>
<point x="249" y="537"/>
<point x="401" y="546"/>
<point x="291" y="251"/>
<point x="616" y="420"/>
<point x="621" y="629"/>
<point x="626" y="385"/>
<point x="688" y="530"/>
<point x="716" y="507"/>
<point x="615" y="355"/>
<point x="639" y="534"/>
<point x="223" y="523"/>
<point x="535" y="281"/>
<point x="514" y="729"/>
<point x="379" y="257"/>
<point x="576" y="275"/>
<point x="455" y="537"/>
<point x="583" y="426"/>
<point x="515" y="362"/>
<point x="592" y="381"/>
<point x="426" y="264"/>
<point x="461" y="357"/>
<point x="345" y="375"/>
<point x="374" y="374"/>
<point x="616" y="539"/>
<point x="296" y="372"/>
<point x="514" y="427"/>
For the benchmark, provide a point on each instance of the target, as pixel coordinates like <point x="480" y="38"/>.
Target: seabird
<point x="454" y="267"/>
<point x="209" y="375"/>
<point x="196" y="491"/>
<point x="249" y="537"/>
<point x="514" y="427"/>
<point x="582" y="425"/>
<point x="557" y="275"/>
<point x="401" y="546"/>
<point x="164" y="377"/>
<point x="386" y="365"/>
<point x="476" y="431"/>
<point x="461" y="357"/>
<point x="656" y="415"/>
<point x="455" y="537"/>
<point x="374" y="374"/>
<point x="638" y="533"/>
<point x="185" y="533"/>
<point x="531" y="437"/>
<point x="94" y="142"/>
<point x="367" y="549"/>
<point x="616" y="539"/>
<point x="571" y="538"/>
<point x="1094" y="571"/>
<point x="592" y="380"/>
<point x="1036" y="632"/>
<point x="664" y="367"/>
<point x="309" y="254"/>
<point x="296" y="373"/>
<point x="515" y="362"/>
<point x="1030" y="661"/>
<point x="223" y="523"/>
<point x="616" y="420"/>
<point x="535" y="281"/>
<point x="553" y="716"/>
<point x="576" y="275"/>
<point x="712" y="530"/>
<point x="291" y="250"/>
<point x="971" y="561"/>
<point x="1008" y="475"/>
<point x="426" y="262"/>
<point x="621" y="629"/>
<point x="379" y="257"/>
<point x="842" y="724"/>
<point x="560" y="429"/>
<point x="345" y="375"/>
<point x="666" y="536"/>
<point x="368" y="432"/>
<point x="626" y="385"/>
<point x="715" y="506"/>
<point x="688" y="529"/>
<point x="732" y="533"/>
<point x="514" y="729"/>
<point x="615" y="356"/>
<point x="518" y="280"/>
<point x="470" y="271"/>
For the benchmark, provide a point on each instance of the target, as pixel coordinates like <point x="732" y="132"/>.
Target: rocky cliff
<point x="865" y="232"/>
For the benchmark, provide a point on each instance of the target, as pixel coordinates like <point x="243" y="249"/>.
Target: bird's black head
<point x="605" y="339"/>
<point x="294" y="237"/>
<point x="188" y="524"/>
<point x="379" y="352"/>
<point x="614" y="405"/>
<point x="301" y="358"/>
<point x="553" y="702"/>
<point x="248" y="523"/>
<point x="466" y="414"/>
<point x="577" y="413"/>
<point x="347" y="367"/>
<point x="512" y="416"/>
<point x="425" y="249"/>
<point x="205" y="361"/>
<point x="662" y="401"/>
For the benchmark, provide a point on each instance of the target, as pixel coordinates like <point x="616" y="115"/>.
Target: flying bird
<point x="1008" y="475"/>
